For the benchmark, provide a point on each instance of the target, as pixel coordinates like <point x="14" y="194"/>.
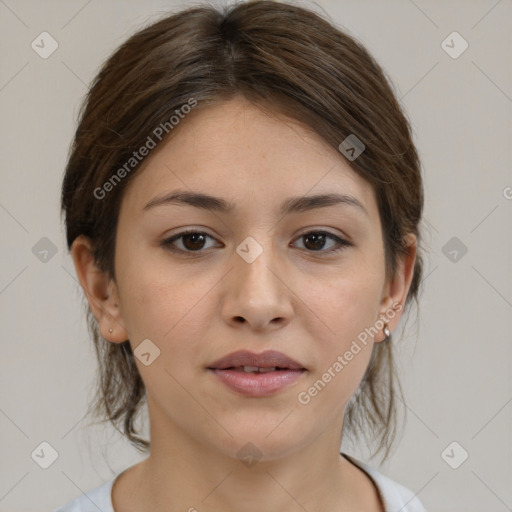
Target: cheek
<point x="151" y="292"/>
<point x="345" y="305"/>
<point x="346" y="308"/>
<point x="344" y="353"/>
<point x="167" y="306"/>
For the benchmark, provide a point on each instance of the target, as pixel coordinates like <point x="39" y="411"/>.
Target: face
<point x="306" y="281"/>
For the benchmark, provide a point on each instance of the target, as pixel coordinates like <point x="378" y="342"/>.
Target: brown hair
<point x="276" y="54"/>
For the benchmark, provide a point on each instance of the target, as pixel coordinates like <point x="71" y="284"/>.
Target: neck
<point x="183" y="474"/>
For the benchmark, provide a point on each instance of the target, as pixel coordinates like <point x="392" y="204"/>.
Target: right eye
<point x="190" y="240"/>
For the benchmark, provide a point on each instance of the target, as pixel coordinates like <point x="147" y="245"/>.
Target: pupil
<point x="318" y="240"/>
<point x="197" y="240"/>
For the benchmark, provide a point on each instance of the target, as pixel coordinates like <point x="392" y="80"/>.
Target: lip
<point x="227" y="369"/>
<point x="266" y="359"/>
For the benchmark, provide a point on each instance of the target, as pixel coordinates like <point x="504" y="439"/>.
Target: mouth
<point x="257" y="375"/>
<point x="255" y="369"/>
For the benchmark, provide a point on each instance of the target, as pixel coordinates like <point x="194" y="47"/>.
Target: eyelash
<point x="342" y="243"/>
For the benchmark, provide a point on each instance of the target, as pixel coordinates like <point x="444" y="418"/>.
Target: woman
<point x="242" y="204"/>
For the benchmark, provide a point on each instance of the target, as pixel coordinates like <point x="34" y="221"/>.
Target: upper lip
<point x="267" y="359"/>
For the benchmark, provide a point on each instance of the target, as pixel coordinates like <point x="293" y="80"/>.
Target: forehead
<point x="249" y="156"/>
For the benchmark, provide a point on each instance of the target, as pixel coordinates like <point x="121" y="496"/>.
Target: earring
<point x="387" y="332"/>
<point x="111" y="330"/>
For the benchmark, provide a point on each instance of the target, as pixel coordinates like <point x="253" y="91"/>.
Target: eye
<point x="194" y="241"/>
<point x="191" y="241"/>
<point x="315" y="241"/>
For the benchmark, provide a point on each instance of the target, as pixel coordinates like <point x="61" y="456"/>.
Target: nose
<point x="256" y="294"/>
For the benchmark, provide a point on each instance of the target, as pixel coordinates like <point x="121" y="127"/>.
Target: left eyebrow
<point x="291" y="205"/>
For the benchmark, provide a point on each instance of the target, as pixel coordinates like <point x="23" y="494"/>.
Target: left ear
<point x="396" y="290"/>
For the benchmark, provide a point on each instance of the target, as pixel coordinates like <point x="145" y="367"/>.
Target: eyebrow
<point x="291" y="205"/>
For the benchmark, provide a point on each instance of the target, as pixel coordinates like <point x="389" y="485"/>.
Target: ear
<point x="395" y="290"/>
<point x="101" y="291"/>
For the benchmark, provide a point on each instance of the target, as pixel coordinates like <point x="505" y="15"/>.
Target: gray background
<point x="455" y="362"/>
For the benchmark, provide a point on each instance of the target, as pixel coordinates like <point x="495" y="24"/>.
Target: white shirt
<point x="395" y="497"/>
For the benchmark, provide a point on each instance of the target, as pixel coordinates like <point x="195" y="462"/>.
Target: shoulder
<point x="396" y="497"/>
<point x="92" y="501"/>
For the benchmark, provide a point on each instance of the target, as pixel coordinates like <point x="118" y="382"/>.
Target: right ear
<point x="101" y="291"/>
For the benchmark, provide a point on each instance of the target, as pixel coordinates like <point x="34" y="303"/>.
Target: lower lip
<point x="258" y="384"/>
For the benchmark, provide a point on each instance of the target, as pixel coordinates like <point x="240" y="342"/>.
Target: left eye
<point x="317" y="240"/>
<point x="193" y="241"/>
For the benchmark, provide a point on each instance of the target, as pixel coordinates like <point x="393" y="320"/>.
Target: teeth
<point x="249" y="369"/>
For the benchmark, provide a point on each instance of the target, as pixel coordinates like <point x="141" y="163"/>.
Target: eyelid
<point x="320" y="229"/>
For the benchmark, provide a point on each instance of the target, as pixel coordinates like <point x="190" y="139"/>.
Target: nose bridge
<point x="254" y="261"/>
<point x="254" y="291"/>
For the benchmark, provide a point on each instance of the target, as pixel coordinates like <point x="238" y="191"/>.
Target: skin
<point x="199" y="306"/>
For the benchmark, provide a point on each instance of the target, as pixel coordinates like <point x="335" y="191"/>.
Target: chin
<point x="261" y="441"/>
